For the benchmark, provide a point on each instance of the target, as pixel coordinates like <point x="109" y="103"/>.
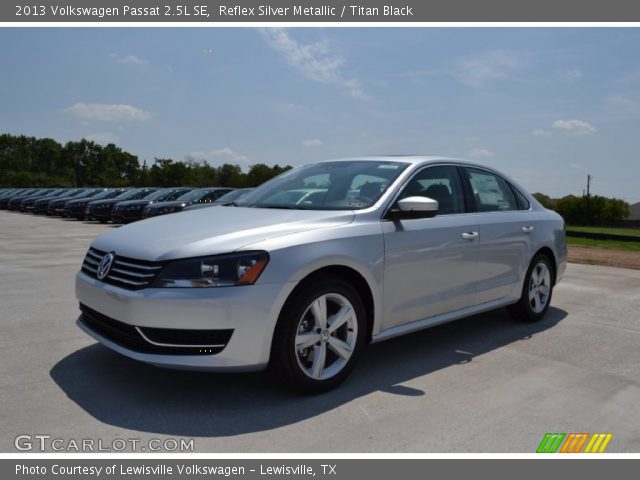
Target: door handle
<point x="470" y="235"/>
<point x="527" y="229"/>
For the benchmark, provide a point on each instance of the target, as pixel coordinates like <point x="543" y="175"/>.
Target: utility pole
<point x="589" y="220"/>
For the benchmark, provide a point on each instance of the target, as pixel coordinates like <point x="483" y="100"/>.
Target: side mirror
<point x="415" y="207"/>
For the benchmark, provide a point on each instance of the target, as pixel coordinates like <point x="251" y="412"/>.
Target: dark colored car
<point x="199" y="196"/>
<point x="76" y="207"/>
<point x="101" y="209"/>
<point x="131" y="210"/>
<point x="226" y="199"/>
<point x="27" y="204"/>
<point x="56" y="206"/>
<point x="14" y="203"/>
<point x="41" y="205"/>
<point x="6" y="197"/>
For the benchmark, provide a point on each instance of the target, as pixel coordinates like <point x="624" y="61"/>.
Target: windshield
<point x="192" y="196"/>
<point x="165" y="194"/>
<point x="133" y="194"/>
<point x="233" y="195"/>
<point x="339" y="185"/>
<point x="103" y="194"/>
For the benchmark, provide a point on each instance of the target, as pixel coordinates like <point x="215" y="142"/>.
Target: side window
<point x="492" y="193"/>
<point x="523" y="202"/>
<point x="441" y="183"/>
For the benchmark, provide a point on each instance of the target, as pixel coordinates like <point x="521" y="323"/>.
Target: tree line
<point x="43" y="162"/>
<point x="587" y="210"/>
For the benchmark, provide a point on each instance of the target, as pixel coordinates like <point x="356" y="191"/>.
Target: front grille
<point x="125" y="272"/>
<point x="175" y="341"/>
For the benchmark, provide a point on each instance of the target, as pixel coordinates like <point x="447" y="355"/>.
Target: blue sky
<point x="546" y="106"/>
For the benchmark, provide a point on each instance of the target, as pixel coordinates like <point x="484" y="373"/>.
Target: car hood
<point x="124" y="203"/>
<point x="212" y="231"/>
<point x="60" y="199"/>
<point x="79" y="199"/>
<point x="174" y="203"/>
<point x="104" y="201"/>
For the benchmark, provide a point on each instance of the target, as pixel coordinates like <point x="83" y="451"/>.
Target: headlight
<point x="214" y="271"/>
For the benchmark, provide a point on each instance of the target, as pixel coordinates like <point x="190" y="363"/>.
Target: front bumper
<point x="251" y="312"/>
<point x="99" y="213"/>
<point x="125" y="216"/>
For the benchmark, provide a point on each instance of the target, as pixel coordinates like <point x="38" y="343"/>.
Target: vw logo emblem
<point x="105" y="265"/>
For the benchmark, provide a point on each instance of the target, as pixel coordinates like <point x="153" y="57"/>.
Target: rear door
<point x="505" y="226"/>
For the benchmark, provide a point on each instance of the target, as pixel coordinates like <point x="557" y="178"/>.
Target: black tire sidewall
<point x="284" y="358"/>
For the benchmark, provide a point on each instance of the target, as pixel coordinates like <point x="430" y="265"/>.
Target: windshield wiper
<point x="282" y="207"/>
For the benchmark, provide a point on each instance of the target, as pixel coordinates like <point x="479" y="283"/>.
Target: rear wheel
<point x="319" y="336"/>
<point x="536" y="291"/>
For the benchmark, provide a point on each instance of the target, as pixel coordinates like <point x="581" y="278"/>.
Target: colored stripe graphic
<point x="598" y="443"/>
<point x="550" y="442"/>
<point x="573" y="442"/>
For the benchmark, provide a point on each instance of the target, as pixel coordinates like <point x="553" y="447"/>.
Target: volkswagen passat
<point x="393" y="245"/>
<point x="101" y="209"/>
<point x="131" y="210"/>
<point x="199" y="196"/>
<point x="226" y="199"/>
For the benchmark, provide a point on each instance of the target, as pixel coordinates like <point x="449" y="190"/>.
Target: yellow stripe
<point x="598" y="442"/>
<point x="605" y="443"/>
<point x="591" y="442"/>
<point x="583" y="439"/>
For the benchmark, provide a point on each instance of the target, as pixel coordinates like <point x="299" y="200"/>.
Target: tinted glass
<point x="492" y="192"/>
<point x="342" y="185"/>
<point x="523" y="202"/>
<point x="441" y="183"/>
<point x="233" y="195"/>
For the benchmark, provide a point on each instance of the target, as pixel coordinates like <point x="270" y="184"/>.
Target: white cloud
<point x="623" y="106"/>
<point x="480" y="153"/>
<point x="107" y="112"/>
<point x="128" y="59"/>
<point x="571" y="75"/>
<point x="482" y="69"/>
<point x="540" y="132"/>
<point x="577" y="127"/>
<point x="225" y="154"/>
<point x="576" y="166"/>
<point x="312" y="143"/>
<point x="315" y="61"/>
<point x="103" y="138"/>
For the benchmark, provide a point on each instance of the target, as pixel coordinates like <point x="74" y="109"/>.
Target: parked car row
<point x="118" y="205"/>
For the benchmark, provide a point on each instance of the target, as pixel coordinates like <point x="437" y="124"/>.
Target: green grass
<point x="607" y="244"/>
<point x="609" y="230"/>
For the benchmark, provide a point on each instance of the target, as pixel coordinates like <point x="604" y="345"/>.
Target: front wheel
<point x="536" y="291"/>
<point x="319" y="336"/>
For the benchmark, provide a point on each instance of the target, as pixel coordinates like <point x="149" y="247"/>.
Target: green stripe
<point x="558" y="442"/>
<point x="543" y="443"/>
<point x="550" y="442"/>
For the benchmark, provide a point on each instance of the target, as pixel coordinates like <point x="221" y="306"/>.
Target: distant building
<point x="634" y="212"/>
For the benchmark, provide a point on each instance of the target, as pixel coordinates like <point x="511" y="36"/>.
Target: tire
<point x="536" y="291"/>
<point x="338" y="346"/>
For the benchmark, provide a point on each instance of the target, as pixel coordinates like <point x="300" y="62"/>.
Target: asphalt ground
<point x="482" y="384"/>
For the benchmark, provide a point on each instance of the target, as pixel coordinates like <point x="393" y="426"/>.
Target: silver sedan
<point x="304" y="271"/>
